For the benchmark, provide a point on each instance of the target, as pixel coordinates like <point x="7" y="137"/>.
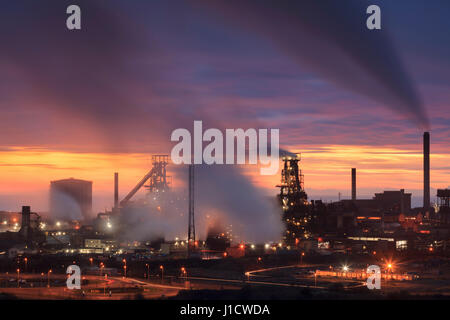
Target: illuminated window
<point x="401" y="245"/>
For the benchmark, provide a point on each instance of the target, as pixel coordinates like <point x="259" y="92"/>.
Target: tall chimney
<point x="116" y="189"/>
<point x="25" y="228"/>
<point x="353" y="183"/>
<point x="426" y="170"/>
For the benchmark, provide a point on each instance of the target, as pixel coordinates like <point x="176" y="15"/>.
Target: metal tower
<point x="294" y="202"/>
<point x="159" y="181"/>
<point x="191" y="227"/>
<point x="292" y="193"/>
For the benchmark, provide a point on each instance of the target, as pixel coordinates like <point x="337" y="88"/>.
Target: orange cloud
<point x="27" y="170"/>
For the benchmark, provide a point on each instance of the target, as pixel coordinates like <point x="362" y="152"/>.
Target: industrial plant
<point x="386" y="222"/>
<point x="385" y="225"/>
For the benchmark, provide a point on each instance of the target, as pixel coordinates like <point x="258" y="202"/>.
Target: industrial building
<point x="71" y="199"/>
<point x="385" y="222"/>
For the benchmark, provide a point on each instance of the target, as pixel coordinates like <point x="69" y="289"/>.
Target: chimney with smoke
<point x="426" y="170"/>
<point x="353" y="183"/>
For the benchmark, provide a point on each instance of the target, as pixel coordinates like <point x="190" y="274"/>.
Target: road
<point x="98" y="288"/>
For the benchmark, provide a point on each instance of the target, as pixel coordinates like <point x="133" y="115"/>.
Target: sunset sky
<point x="88" y="103"/>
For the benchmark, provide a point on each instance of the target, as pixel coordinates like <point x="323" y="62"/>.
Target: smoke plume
<point x="331" y="39"/>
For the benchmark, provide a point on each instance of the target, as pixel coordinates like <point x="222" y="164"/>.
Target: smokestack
<point x="353" y="183"/>
<point x="116" y="189"/>
<point x="426" y="170"/>
<point x="25" y="228"/>
<point x="25" y="216"/>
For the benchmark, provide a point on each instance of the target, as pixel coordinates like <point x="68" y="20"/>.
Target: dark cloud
<point x="330" y="38"/>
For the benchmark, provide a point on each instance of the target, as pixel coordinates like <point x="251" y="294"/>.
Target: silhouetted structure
<point x="293" y="199"/>
<point x="426" y="171"/>
<point x="116" y="190"/>
<point x="71" y="198"/>
<point x="444" y="205"/>
<point x="394" y="201"/>
<point x="157" y="177"/>
<point x="191" y="226"/>
<point x="353" y="183"/>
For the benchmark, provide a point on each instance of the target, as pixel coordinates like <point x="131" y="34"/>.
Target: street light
<point x="18" y="277"/>
<point x="390" y="267"/>
<point x="301" y="257"/>
<point x="101" y="267"/>
<point x="91" y="260"/>
<point x="26" y="264"/>
<point x="48" y="278"/>
<point x="125" y="266"/>
<point x="162" y="273"/>
<point x="183" y="271"/>
<point x="148" y="272"/>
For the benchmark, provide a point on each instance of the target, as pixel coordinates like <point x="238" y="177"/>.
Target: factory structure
<point x="71" y="198"/>
<point x="385" y="222"/>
